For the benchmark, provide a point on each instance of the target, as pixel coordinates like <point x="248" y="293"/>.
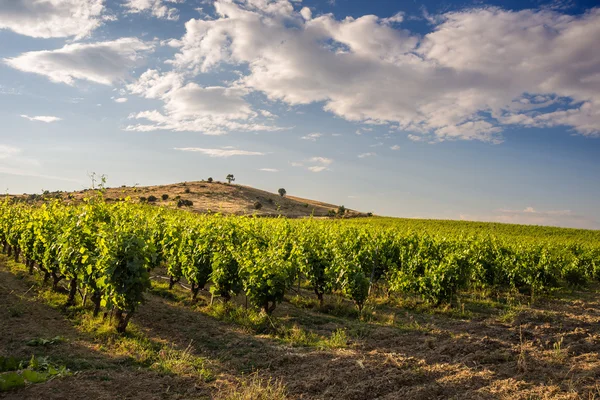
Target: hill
<point x="212" y="196"/>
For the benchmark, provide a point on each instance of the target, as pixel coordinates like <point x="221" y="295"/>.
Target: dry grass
<point x="254" y="388"/>
<point x="217" y="197"/>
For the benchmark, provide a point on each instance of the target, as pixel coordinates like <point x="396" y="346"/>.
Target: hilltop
<point x="204" y="196"/>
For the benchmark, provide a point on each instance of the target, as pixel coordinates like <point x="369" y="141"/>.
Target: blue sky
<point x="460" y="110"/>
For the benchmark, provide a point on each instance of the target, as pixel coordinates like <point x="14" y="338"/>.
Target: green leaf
<point x="11" y="380"/>
<point x="34" y="376"/>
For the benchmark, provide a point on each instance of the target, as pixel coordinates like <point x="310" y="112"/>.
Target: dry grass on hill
<point x="217" y="197"/>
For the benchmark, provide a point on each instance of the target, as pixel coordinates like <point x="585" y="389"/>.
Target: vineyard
<point x="104" y="254"/>
<point x="107" y="299"/>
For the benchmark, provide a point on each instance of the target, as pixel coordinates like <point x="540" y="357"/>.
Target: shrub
<point x="341" y="210"/>
<point x="165" y="196"/>
<point x="209" y="180"/>
<point x="184" y="203"/>
<point x="187" y="190"/>
<point x="143" y="199"/>
<point x="282" y="192"/>
<point x="331" y="213"/>
<point x="152" y="198"/>
<point x="257" y="205"/>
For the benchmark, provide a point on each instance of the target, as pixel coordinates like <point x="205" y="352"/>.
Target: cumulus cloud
<point x="220" y="152"/>
<point x="42" y="118"/>
<point x="156" y="8"/>
<point x="120" y="100"/>
<point x="306" y="13"/>
<point x="467" y="79"/>
<point x="395" y="147"/>
<point x="213" y="110"/>
<point x="101" y="62"/>
<point x="52" y="18"/>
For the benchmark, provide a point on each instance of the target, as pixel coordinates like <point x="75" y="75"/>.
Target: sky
<point x="476" y="110"/>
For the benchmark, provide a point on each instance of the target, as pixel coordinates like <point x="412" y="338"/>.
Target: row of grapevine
<point x="105" y="252"/>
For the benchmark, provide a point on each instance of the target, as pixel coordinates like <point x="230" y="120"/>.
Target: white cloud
<point x="42" y="118"/>
<point x="296" y="164"/>
<point x="213" y="110"/>
<point x="51" y="18"/>
<point x="336" y="134"/>
<point x="269" y="170"/>
<point x="156" y="8"/>
<point x="306" y="13"/>
<point x="322" y="164"/>
<point x="465" y="80"/>
<point x="312" y="136"/>
<point x="267" y="114"/>
<point x="220" y="152"/>
<point x="121" y="100"/>
<point x="395" y="147"/>
<point x="321" y="160"/>
<point x="101" y="62"/>
<point x="365" y="155"/>
<point x="394" y="19"/>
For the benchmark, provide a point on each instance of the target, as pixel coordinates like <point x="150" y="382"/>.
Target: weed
<point x="36" y="370"/>
<point x="509" y="315"/>
<point x="250" y="319"/>
<point x="337" y="340"/>
<point x="297" y="336"/>
<point x="182" y="362"/>
<point x="46" y="342"/>
<point x="16" y="311"/>
<point x="559" y="353"/>
<point x="304" y="302"/>
<point x="255" y="388"/>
